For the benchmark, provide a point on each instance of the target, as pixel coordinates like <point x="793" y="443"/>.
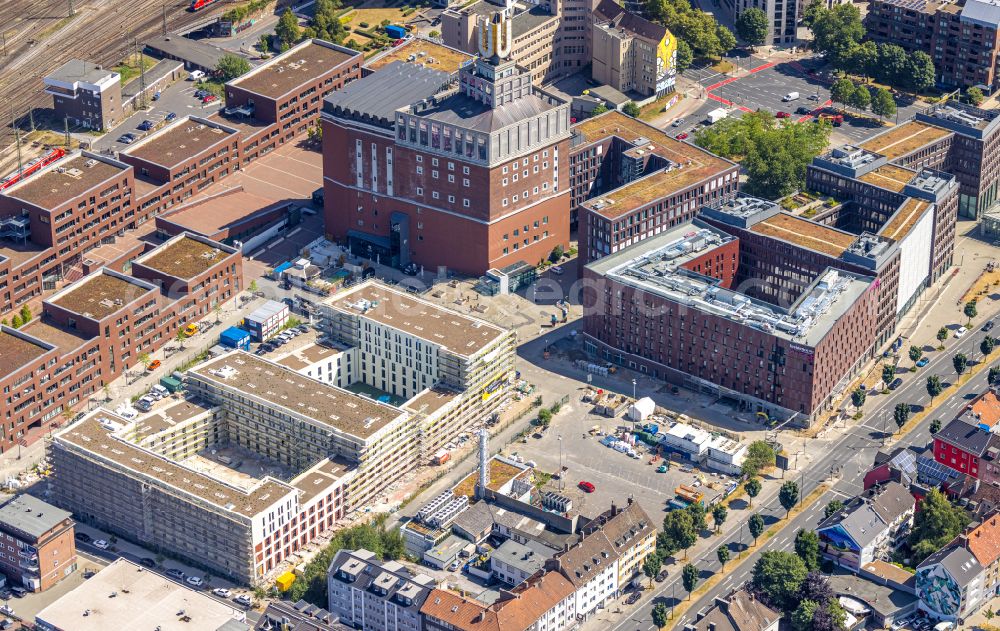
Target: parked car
<point x="143" y="406"/>
<point x="961" y="331"/>
<point x="169" y="117"/>
<point x="83" y="537"/>
<point x="18" y="591"/>
<point x="145" y="125"/>
<point x="153" y="365"/>
<point x="195" y="581"/>
<point x="557" y="270"/>
<point x="147" y="562"/>
<point x="156" y="97"/>
<point x="243" y="599"/>
<point x="895" y="383"/>
<point x="127" y="139"/>
<point x="989" y="325"/>
<point x="175" y="573"/>
<point x="813" y="97"/>
<point x="678" y="122"/>
<point x="221" y="592"/>
<point x="662" y="576"/>
<point x="195" y="75"/>
<point x="633" y="598"/>
<point x="587" y="487"/>
<point x="923" y="361"/>
<point x="6" y="610"/>
<point x="782" y="115"/>
<point x="682" y="136"/>
<point x="102" y="544"/>
<point x="803" y="110"/>
<point x="200" y="94"/>
<point x="211" y="98"/>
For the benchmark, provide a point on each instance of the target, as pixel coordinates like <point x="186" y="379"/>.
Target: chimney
<point x="614" y="509"/>
<point x="711" y="626"/>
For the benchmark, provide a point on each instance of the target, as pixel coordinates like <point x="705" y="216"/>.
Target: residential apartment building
<point x="961" y="445"/>
<point x="474" y="174"/>
<point x="669" y="307"/>
<point x="954" y="582"/>
<point x="452" y="369"/>
<point x="631" y="181"/>
<point x="37" y="545"/>
<point x="282" y="615"/>
<point x="959" y="35"/>
<point x="739" y="611"/>
<point x="630" y="53"/>
<point x="374" y="595"/>
<point x="85" y="94"/>
<point x="870" y="526"/>
<point x="782" y="17"/>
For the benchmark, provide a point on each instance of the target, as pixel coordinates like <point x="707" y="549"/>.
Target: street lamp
<point x="633" y="389"/>
<point x="559" y="438"/>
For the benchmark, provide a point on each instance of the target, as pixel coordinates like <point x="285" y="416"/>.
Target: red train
<point x="197" y="5"/>
<point x="32" y="167"/>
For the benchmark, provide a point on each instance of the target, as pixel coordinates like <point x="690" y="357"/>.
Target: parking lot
<point x="615" y="475"/>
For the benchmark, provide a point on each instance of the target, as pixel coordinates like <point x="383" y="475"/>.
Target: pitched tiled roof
<point x="984" y="410"/>
<point x="516" y="610"/>
<point x="984" y="541"/>
<point x="605" y="538"/>
<point x="611" y="11"/>
<point x="740" y="612"/>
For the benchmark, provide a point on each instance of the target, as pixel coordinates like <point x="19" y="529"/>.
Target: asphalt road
<point x="846" y="474"/>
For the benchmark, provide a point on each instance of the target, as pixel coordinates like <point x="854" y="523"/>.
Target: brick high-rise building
<point x="961" y="36"/>
<point x="471" y="177"/>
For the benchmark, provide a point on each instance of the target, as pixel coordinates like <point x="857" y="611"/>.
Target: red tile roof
<point x="984" y="541"/>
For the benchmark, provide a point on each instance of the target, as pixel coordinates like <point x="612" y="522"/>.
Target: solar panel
<point x="930" y="471"/>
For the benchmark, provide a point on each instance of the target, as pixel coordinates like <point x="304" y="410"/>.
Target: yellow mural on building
<point x="666" y="64"/>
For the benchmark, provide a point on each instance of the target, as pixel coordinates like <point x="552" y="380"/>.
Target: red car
<point x="211" y="98"/>
<point x="782" y="115"/>
<point x="587" y="486"/>
<point x="681" y="136"/>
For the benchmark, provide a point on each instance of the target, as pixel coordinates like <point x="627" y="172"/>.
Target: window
<point x="420" y="170"/>
<point x="505" y="201"/>
<point x="504" y="181"/>
<point x="435" y="195"/>
<point x="465" y="202"/>
<point x="465" y="182"/>
<point x="434" y="173"/>
<point x="451" y="178"/>
<point x="420" y="158"/>
<point x="451" y="166"/>
<point x="465" y="170"/>
<point x="434" y="162"/>
<point x="420" y="191"/>
<point x="504" y="170"/>
<point x="451" y="199"/>
<point x="514" y="199"/>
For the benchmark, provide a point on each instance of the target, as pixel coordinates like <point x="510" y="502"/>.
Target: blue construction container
<point x="235" y="337"/>
<point x="395" y="32"/>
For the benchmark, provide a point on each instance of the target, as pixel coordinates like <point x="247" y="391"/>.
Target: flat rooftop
<point x="501" y="472"/>
<point x="178" y="142"/>
<point x="64" y="181"/>
<point x="291" y="69"/>
<point x="320" y="477"/>
<point x="655" y="265"/>
<point x="805" y="233"/>
<point x="889" y="176"/>
<point x="183" y="257"/>
<point x="247" y="127"/>
<point x="459" y="333"/>
<point x="169" y="417"/>
<point x="76" y="70"/>
<point x="904" y="139"/>
<point x="422" y="52"/>
<point x="89" y="435"/>
<point x="906" y="217"/>
<point x="282" y="387"/>
<point x="20" y="253"/>
<point x="212" y="215"/>
<point x="61" y="337"/>
<point x="430" y="401"/>
<point x="300" y="358"/>
<point x="16" y="352"/>
<point x="32" y="516"/>
<point x="693" y="164"/>
<point x="142" y="600"/>
<point x="99" y="295"/>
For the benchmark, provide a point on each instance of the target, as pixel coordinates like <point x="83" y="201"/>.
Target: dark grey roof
<point x="31" y="515"/>
<point x="79" y="70"/>
<point x="614" y="13"/>
<point x="867" y="516"/>
<point x="198" y="53"/>
<point x="300" y="616"/>
<point x="886" y="600"/>
<point x="528" y="557"/>
<point x="468" y="113"/>
<point x="375" y="98"/>
<point x="234" y="625"/>
<point x="384" y="579"/>
<point x="966" y="437"/>
<point x="960" y="563"/>
<point x="986" y="13"/>
<point x="526" y="18"/>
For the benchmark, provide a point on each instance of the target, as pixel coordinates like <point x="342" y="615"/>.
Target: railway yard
<point x="37" y="36"/>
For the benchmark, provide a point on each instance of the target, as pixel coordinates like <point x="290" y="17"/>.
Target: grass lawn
<point x="723" y="66"/>
<point x="129" y="67"/>
<point x="654" y="109"/>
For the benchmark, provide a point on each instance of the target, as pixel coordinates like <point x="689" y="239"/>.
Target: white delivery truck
<point x="791" y="96"/>
<point x="716" y="115"/>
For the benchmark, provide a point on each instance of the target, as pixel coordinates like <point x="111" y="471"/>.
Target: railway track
<point x="40" y="37"/>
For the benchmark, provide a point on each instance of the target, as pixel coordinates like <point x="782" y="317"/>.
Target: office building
<point x="630" y="53"/>
<point x="85" y="94"/>
<point x="782" y="17"/>
<point x="38" y="547"/>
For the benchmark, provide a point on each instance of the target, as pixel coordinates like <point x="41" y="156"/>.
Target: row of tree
<point x="20" y="318"/>
<point x="861" y="97"/>
<point x="325" y="25"/>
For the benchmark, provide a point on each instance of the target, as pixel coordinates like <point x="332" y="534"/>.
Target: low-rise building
<point x="691" y="441"/>
<point x="282" y="615"/>
<point x="374" y="595"/>
<point x="739" y="611"/>
<point x="37" y="543"/>
<point x="266" y="320"/>
<point x="869" y="527"/>
<point x="86" y="94"/>
<point x="513" y="562"/>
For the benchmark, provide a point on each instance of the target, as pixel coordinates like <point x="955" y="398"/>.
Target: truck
<point x="791" y="96"/>
<point x="836" y="119"/>
<point x="716" y="115"/>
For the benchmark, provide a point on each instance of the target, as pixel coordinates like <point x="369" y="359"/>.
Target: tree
<point x="858" y="397"/>
<point x="883" y="105"/>
<point x="802" y="617"/>
<point x="861" y="98"/>
<point x="719" y="514"/>
<point x="288" y="30"/>
<point x="631" y="109"/>
<point x="698" y="516"/>
<point x="544" y="417"/>
<point x="942" y="334"/>
<point x="145" y="360"/>
<point x="916" y="353"/>
<point x="689" y="576"/>
<point x="678" y="533"/>
<point x="752" y="487"/>
<point x="660" y="615"/>
<point x="326" y="23"/>
<point x="180" y="337"/>
<point x="684" y="56"/>
<point x="807" y="547"/>
<point x="841" y="91"/>
<point x="756" y="526"/>
<point x="599" y="109"/>
<point x="837" y="32"/>
<point x="832" y="507"/>
<point x="751" y="26"/>
<point x="727" y="41"/>
<point x="970" y="310"/>
<point x="652" y="566"/>
<point x="920" y="71"/>
<point x="788" y="495"/>
<point x="759" y="456"/>
<point x="975" y="96"/>
<point x="994" y="375"/>
<point x="888" y="373"/>
<point x="960" y="362"/>
<point x="231" y="66"/>
<point x="722" y="552"/>
<point x="934" y="386"/>
<point x="935" y="426"/>
<point x="864" y="60"/>
<point x="16" y="321"/>
<point x="987" y="345"/>
<point x="264" y="43"/>
<point x="25" y="314"/>
<point x="892" y="61"/>
<point x="814" y="9"/>
<point x="900" y="414"/>
<point x="777" y="578"/>
<point x="434" y="34"/>
<point x="936" y="522"/>
<point x="252" y="286"/>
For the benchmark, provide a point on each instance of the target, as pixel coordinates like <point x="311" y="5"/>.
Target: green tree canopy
<point x="752" y="487"/>
<point x="841" y="91"/>
<point x="807" y="547"/>
<point x="920" y="71"/>
<point x="679" y="532"/>
<point x="916" y="353"/>
<point x="599" y="109"/>
<point x="970" y="310"/>
<point x="652" y="566"/>
<point x="698" y="516"/>
<point x="884" y="106"/>
<point x="864" y="59"/>
<point x="892" y="60"/>
<point x="689" y="576"/>
<point x="837" y="32"/>
<point x="660" y="615"/>
<point x="802" y="617"/>
<point x="751" y="26"/>
<point x="942" y="334"/>
<point x="900" y="414"/>
<point x="779" y="576"/>
<point x="719" y="514"/>
<point x="994" y="374"/>
<point x="231" y="66"/>
<point x="960" y="362"/>
<point x="936" y="523"/>
<point x="975" y="96"/>
<point x="696" y="28"/>
<point x="631" y="109"/>
<point x="722" y="552"/>
<point x="326" y="23"/>
<point x="858" y="397"/>
<point x="861" y="98"/>
<point x="788" y="495"/>
<point x="759" y="456"/>
<point x="987" y="345"/>
<point x="935" y="426"/>
<point x="934" y="386"/>
<point x="685" y="56"/>
<point x="832" y="507"/>
<point x="288" y="30"/>
<point x="756" y="526"/>
<point x="888" y="373"/>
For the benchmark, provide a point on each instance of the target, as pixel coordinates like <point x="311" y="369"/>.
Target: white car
<point x="6" y="610"/>
<point x="102" y="544"/>
<point x="195" y="581"/>
<point x="243" y="599"/>
<point x="961" y="331"/>
<point x="221" y="592"/>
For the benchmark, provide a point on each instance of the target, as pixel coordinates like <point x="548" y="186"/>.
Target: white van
<point x="791" y="96"/>
<point x="195" y="75"/>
